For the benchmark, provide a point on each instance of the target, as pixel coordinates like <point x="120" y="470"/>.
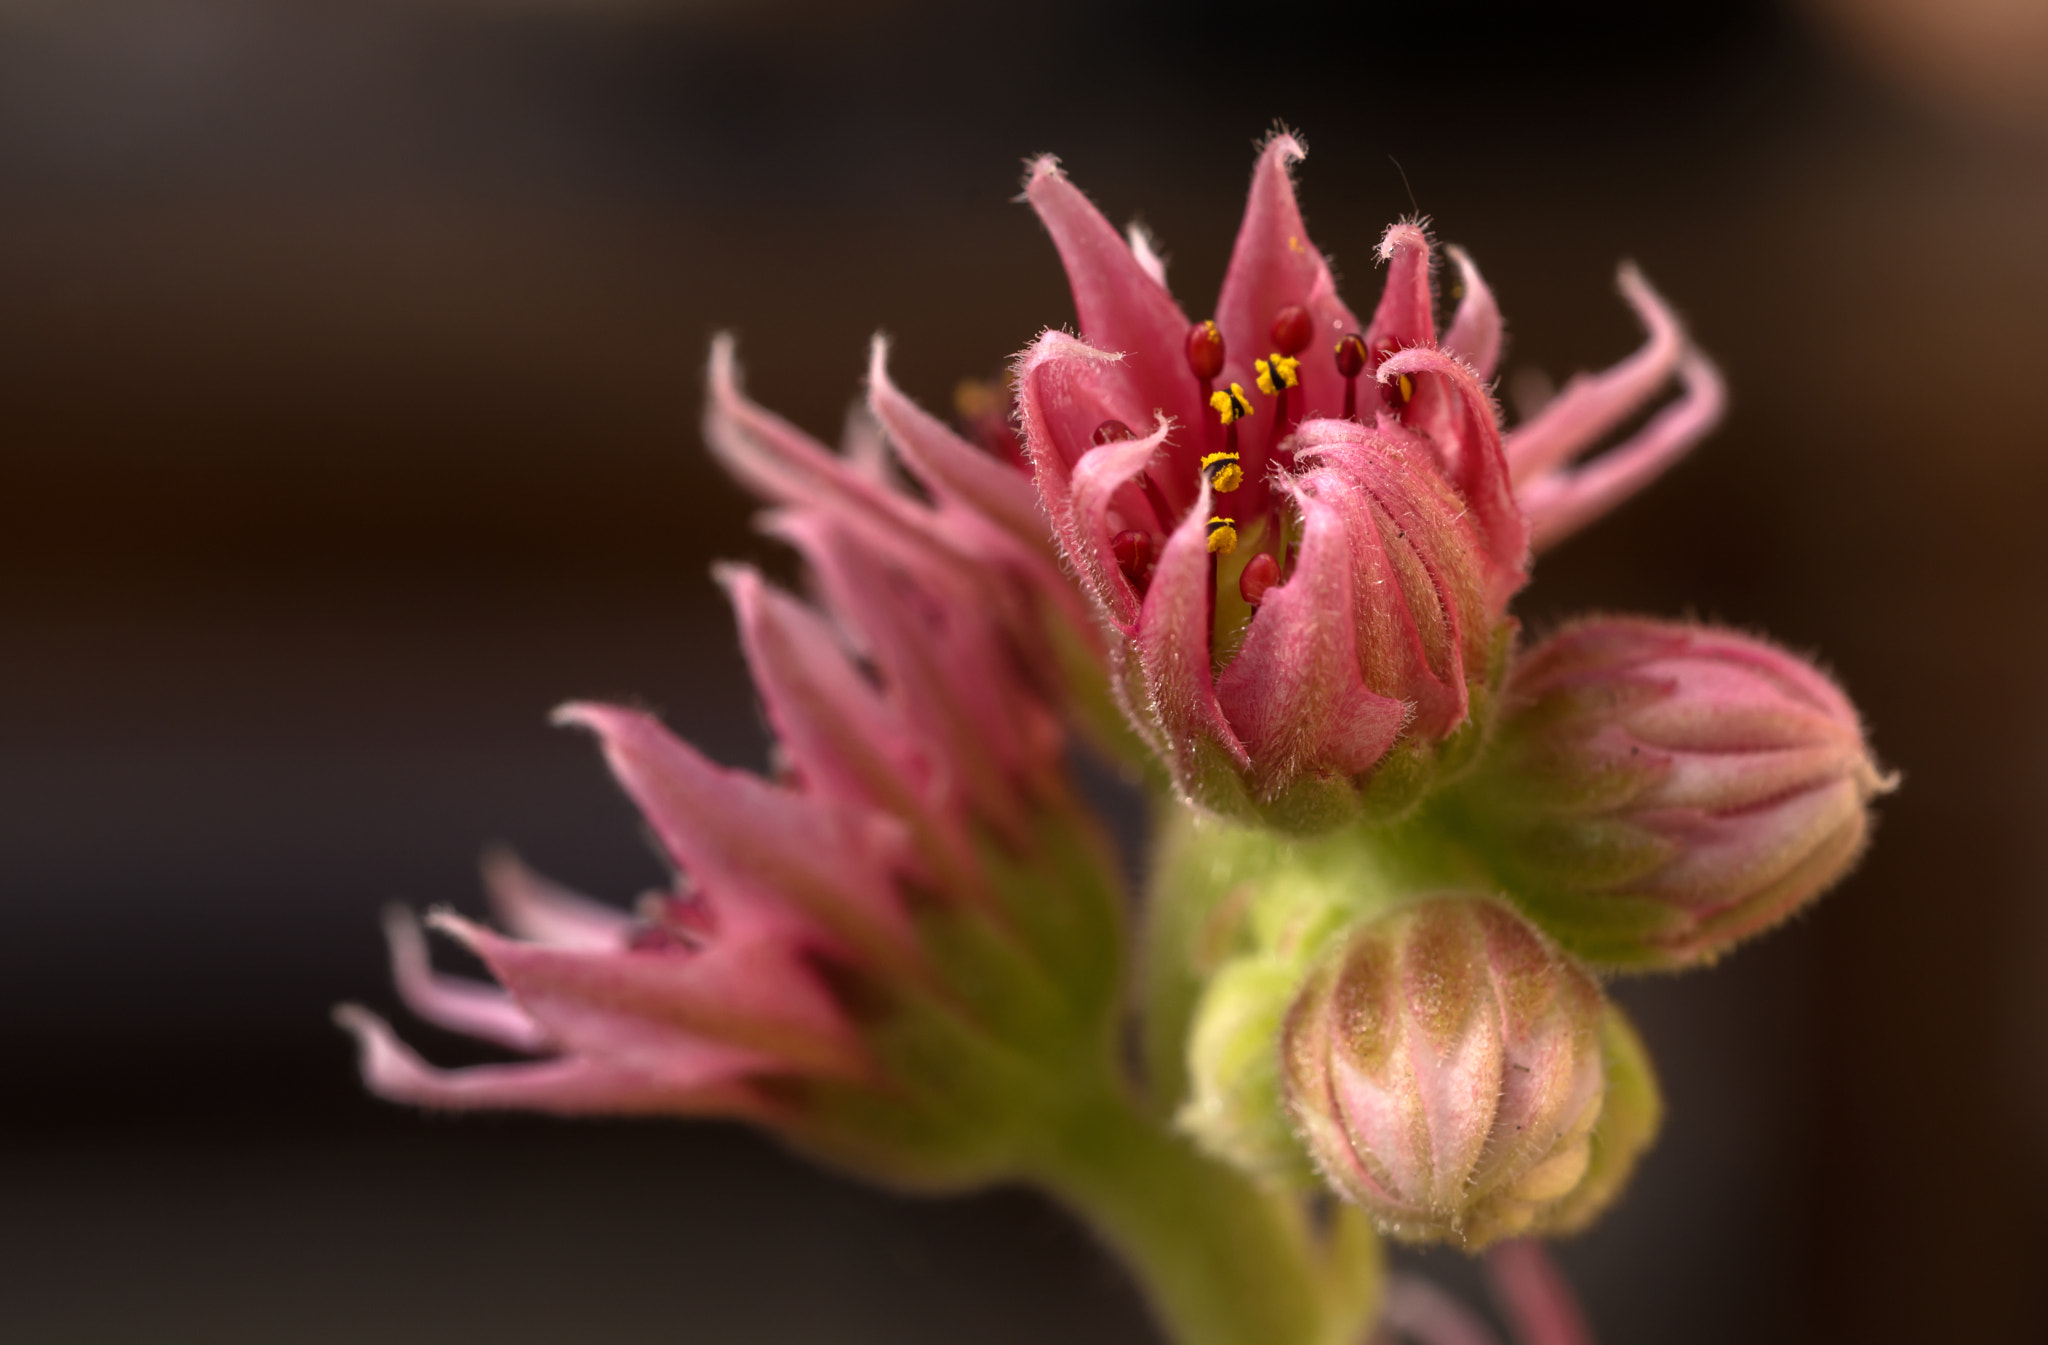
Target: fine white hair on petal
<point x="1145" y="247"/>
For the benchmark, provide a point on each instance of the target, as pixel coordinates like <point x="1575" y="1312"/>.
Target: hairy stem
<point x="1222" y="1262"/>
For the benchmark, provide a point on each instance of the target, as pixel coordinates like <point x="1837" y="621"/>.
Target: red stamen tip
<point x="1112" y="432"/>
<point x="1205" y="350"/>
<point x="1292" y="330"/>
<point x="1133" y="550"/>
<point x="1398" y="391"/>
<point x="1261" y="573"/>
<point x="1351" y="355"/>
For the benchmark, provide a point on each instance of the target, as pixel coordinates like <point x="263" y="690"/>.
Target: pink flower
<point x="1662" y="790"/>
<point x="833" y="935"/>
<point x="1346" y="483"/>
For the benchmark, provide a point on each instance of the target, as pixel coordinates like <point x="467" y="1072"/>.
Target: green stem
<point x="1222" y="1262"/>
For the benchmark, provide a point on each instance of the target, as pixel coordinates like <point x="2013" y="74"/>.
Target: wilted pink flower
<point x="917" y="865"/>
<point x="1526" y="1287"/>
<point x="1345" y="482"/>
<point x="978" y="519"/>
<point x="1662" y="790"/>
<point x="1444" y="1067"/>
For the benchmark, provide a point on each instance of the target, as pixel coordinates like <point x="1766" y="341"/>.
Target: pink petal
<point x="1100" y="481"/>
<point x="1293" y="693"/>
<point x="1426" y="1314"/>
<point x="566" y="1086"/>
<point x="1533" y="1296"/>
<point x="1725" y="858"/>
<point x="950" y="467"/>
<point x="847" y="742"/>
<point x="1475" y="331"/>
<point x="646" y="1010"/>
<point x="780" y="462"/>
<point x="865" y="449"/>
<point x="1414" y="590"/>
<point x="1561" y="502"/>
<point x="1476" y="467"/>
<point x="1065" y="389"/>
<point x="946" y="673"/>
<point x="1404" y="317"/>
<point x="452" y="1002"/>
<point x="1592" y="405"/>
<point x="765" y="857"/>
<point x="546" y="912"/>
<point x="1121" y="306"/>
<point x="1173" y="651"/>
<point x="1274" y="264"/>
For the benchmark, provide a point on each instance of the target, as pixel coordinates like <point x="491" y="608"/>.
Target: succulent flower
<point x="843" y="944"/>
<point x="1662" y="790"/>
<point x="1344" y="483"/>
<point x="1445" y="1068"/>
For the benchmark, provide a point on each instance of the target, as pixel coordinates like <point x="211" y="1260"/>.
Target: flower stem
<point x="1222" y="1261"/>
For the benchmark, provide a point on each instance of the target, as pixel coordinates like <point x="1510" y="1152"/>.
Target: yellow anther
<point x="1230" y="406"/>
<point x="1277" y="371"/>
<point x="1223" y="471"/>
<point x="1222" y="535"/>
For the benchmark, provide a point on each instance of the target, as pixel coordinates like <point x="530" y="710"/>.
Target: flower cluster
<point x="1268" y="559"/>
<point x="917" y="879"/>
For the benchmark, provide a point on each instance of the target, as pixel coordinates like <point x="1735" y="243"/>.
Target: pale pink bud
<point x="1662" y="790"/>
<point x="1444" y="1069"/>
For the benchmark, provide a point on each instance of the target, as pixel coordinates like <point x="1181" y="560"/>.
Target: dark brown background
<point x="349" y="354"/>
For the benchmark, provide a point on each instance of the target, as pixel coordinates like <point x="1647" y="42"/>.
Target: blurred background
<point x="350" y="354"/>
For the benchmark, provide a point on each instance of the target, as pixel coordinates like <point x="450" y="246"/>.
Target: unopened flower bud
<point x="1444" y="1067"/>
<point x="1233" y="1108"/>
<point x="1663" y="790"/>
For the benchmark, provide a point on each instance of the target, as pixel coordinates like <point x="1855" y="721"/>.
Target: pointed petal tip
<point x="461" y="928"/>
<point x="722" y="366"/>
<point x="590" y="715"/>
<point x="385" y="1063"/>
<point x="354" y="1019"/>
<point x="1405" y="235"/>
<point x="735" y="577"/>
<point x="1042" y="168"/>
<point x="1655" y="313"/>
<point x="406" y="939"/>
<point x="1283" y="145"/>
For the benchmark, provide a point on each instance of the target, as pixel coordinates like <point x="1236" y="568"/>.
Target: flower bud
<point x="1233" y="1109"/>
<point x="1444" y="1068"/>
<point x="1660" y="791"/>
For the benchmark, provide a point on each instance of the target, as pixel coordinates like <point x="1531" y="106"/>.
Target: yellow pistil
<point x="1222" y="535"/>
<point x="1223" y="471"/>
<point x="1277" y="371"/>
<point x="1230" y="406"/>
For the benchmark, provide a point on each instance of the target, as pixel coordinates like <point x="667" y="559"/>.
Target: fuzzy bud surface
<point x="1444" y="1068"/>
<point x="1664" y="790"/>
